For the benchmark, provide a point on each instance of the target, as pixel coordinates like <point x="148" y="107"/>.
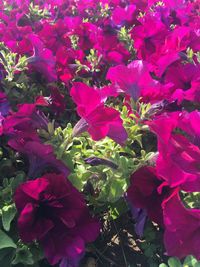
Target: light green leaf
<point x="190" y="261"/>
<point x="6" y="241"/>
<point x="8" y="214"/>
<point x="24" y="256"/>
<point x="163" y="265"/>
<point x="174" y="262"/>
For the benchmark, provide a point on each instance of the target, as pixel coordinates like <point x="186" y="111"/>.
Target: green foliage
<point x="191" y="200"/>
<point x="8" y="214"/>
<point x="6" y="241"/>
<point x="125" y="37"/>
<point x="94" y="59"/>
<point x="74" y="41"/>
<point x="101" y="11"/>
<point x="11" y="62"/>
<point x="24" y="256"/>
<point x="16" y="83"/>
<point x="36" y="13"/>
<point x="6" y="256"/>
<point x="174" y="262"/>
<point x="104" y="10"/>
<point x="198" y="56"/>
<point x="117" y="208"/>
<point x="102" y="184"/>
<point x="7" y="189"/>
<point x="151" y="246"/>
<point x="109" y="183"/>
<point x="189" y="261"/>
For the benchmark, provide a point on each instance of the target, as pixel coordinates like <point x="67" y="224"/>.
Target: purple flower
<point x="4" y="104"/>
<point x="55" y="214"/>
<point x="95" y="161"/>
<point x="40" y="156"/>
<point x="139" y="216"/>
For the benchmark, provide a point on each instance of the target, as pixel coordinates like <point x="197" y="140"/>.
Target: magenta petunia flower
<point x="182" y="228"/>
<point x="54" y="213"/>
<point x="178" y="163"/>
<point x="186" y="83"/>
<point x="148" y="35"/>
<point x="55" y="101"/>
<point x="131" y="79"/>
<point x="42" y="60"/>
<point x="147" y="190"/>
<point x="27" y="119"/>
<point x="163" y="125"/>
<point x="121" y="16"/>
<point x="179" y="148"/>
<point x="100" y="121"/>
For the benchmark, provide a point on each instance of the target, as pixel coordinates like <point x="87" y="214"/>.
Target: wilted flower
<point x="95" y="161"/>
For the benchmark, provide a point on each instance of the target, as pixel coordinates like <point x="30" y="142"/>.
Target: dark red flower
<point x="147" y="191"/>
<point x="55" y="214"/>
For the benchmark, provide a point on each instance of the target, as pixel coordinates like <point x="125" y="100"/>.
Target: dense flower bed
<point x="99" y="117"/>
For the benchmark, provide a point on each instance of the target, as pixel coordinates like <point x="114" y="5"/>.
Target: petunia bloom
<point x="42" y="60"/>
<point x="182" y="228"/>
<point x="179" y="148"/>
<point x="131" y="79"/>
<point x="40" y="156"/>
<point x="54" y="213"/>
<point x="100" y="121"/>
<point x="147" y="190"/>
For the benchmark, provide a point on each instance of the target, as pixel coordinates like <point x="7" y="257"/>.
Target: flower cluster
<point x="99" y="105"/>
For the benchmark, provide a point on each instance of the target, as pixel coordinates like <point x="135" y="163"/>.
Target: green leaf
<point x="4" y="252"/>
<point x="118" y="208"/>
<point x="76" y="181"/>
<point x="163" y="265"/>
<point x="190" y="261"/>
<point x="115" y="189"/>
<point x="6" y="256"/>
<point x="6" y="241"/>
<point x="20" y="177"/>
<point x="24" y="256"/>
<point x="174" y="262"/>
<point x="149" y="252"/>
<point x="8" y="214"/>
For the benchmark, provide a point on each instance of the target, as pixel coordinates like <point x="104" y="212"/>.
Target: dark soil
<point x="118" y="246"/>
